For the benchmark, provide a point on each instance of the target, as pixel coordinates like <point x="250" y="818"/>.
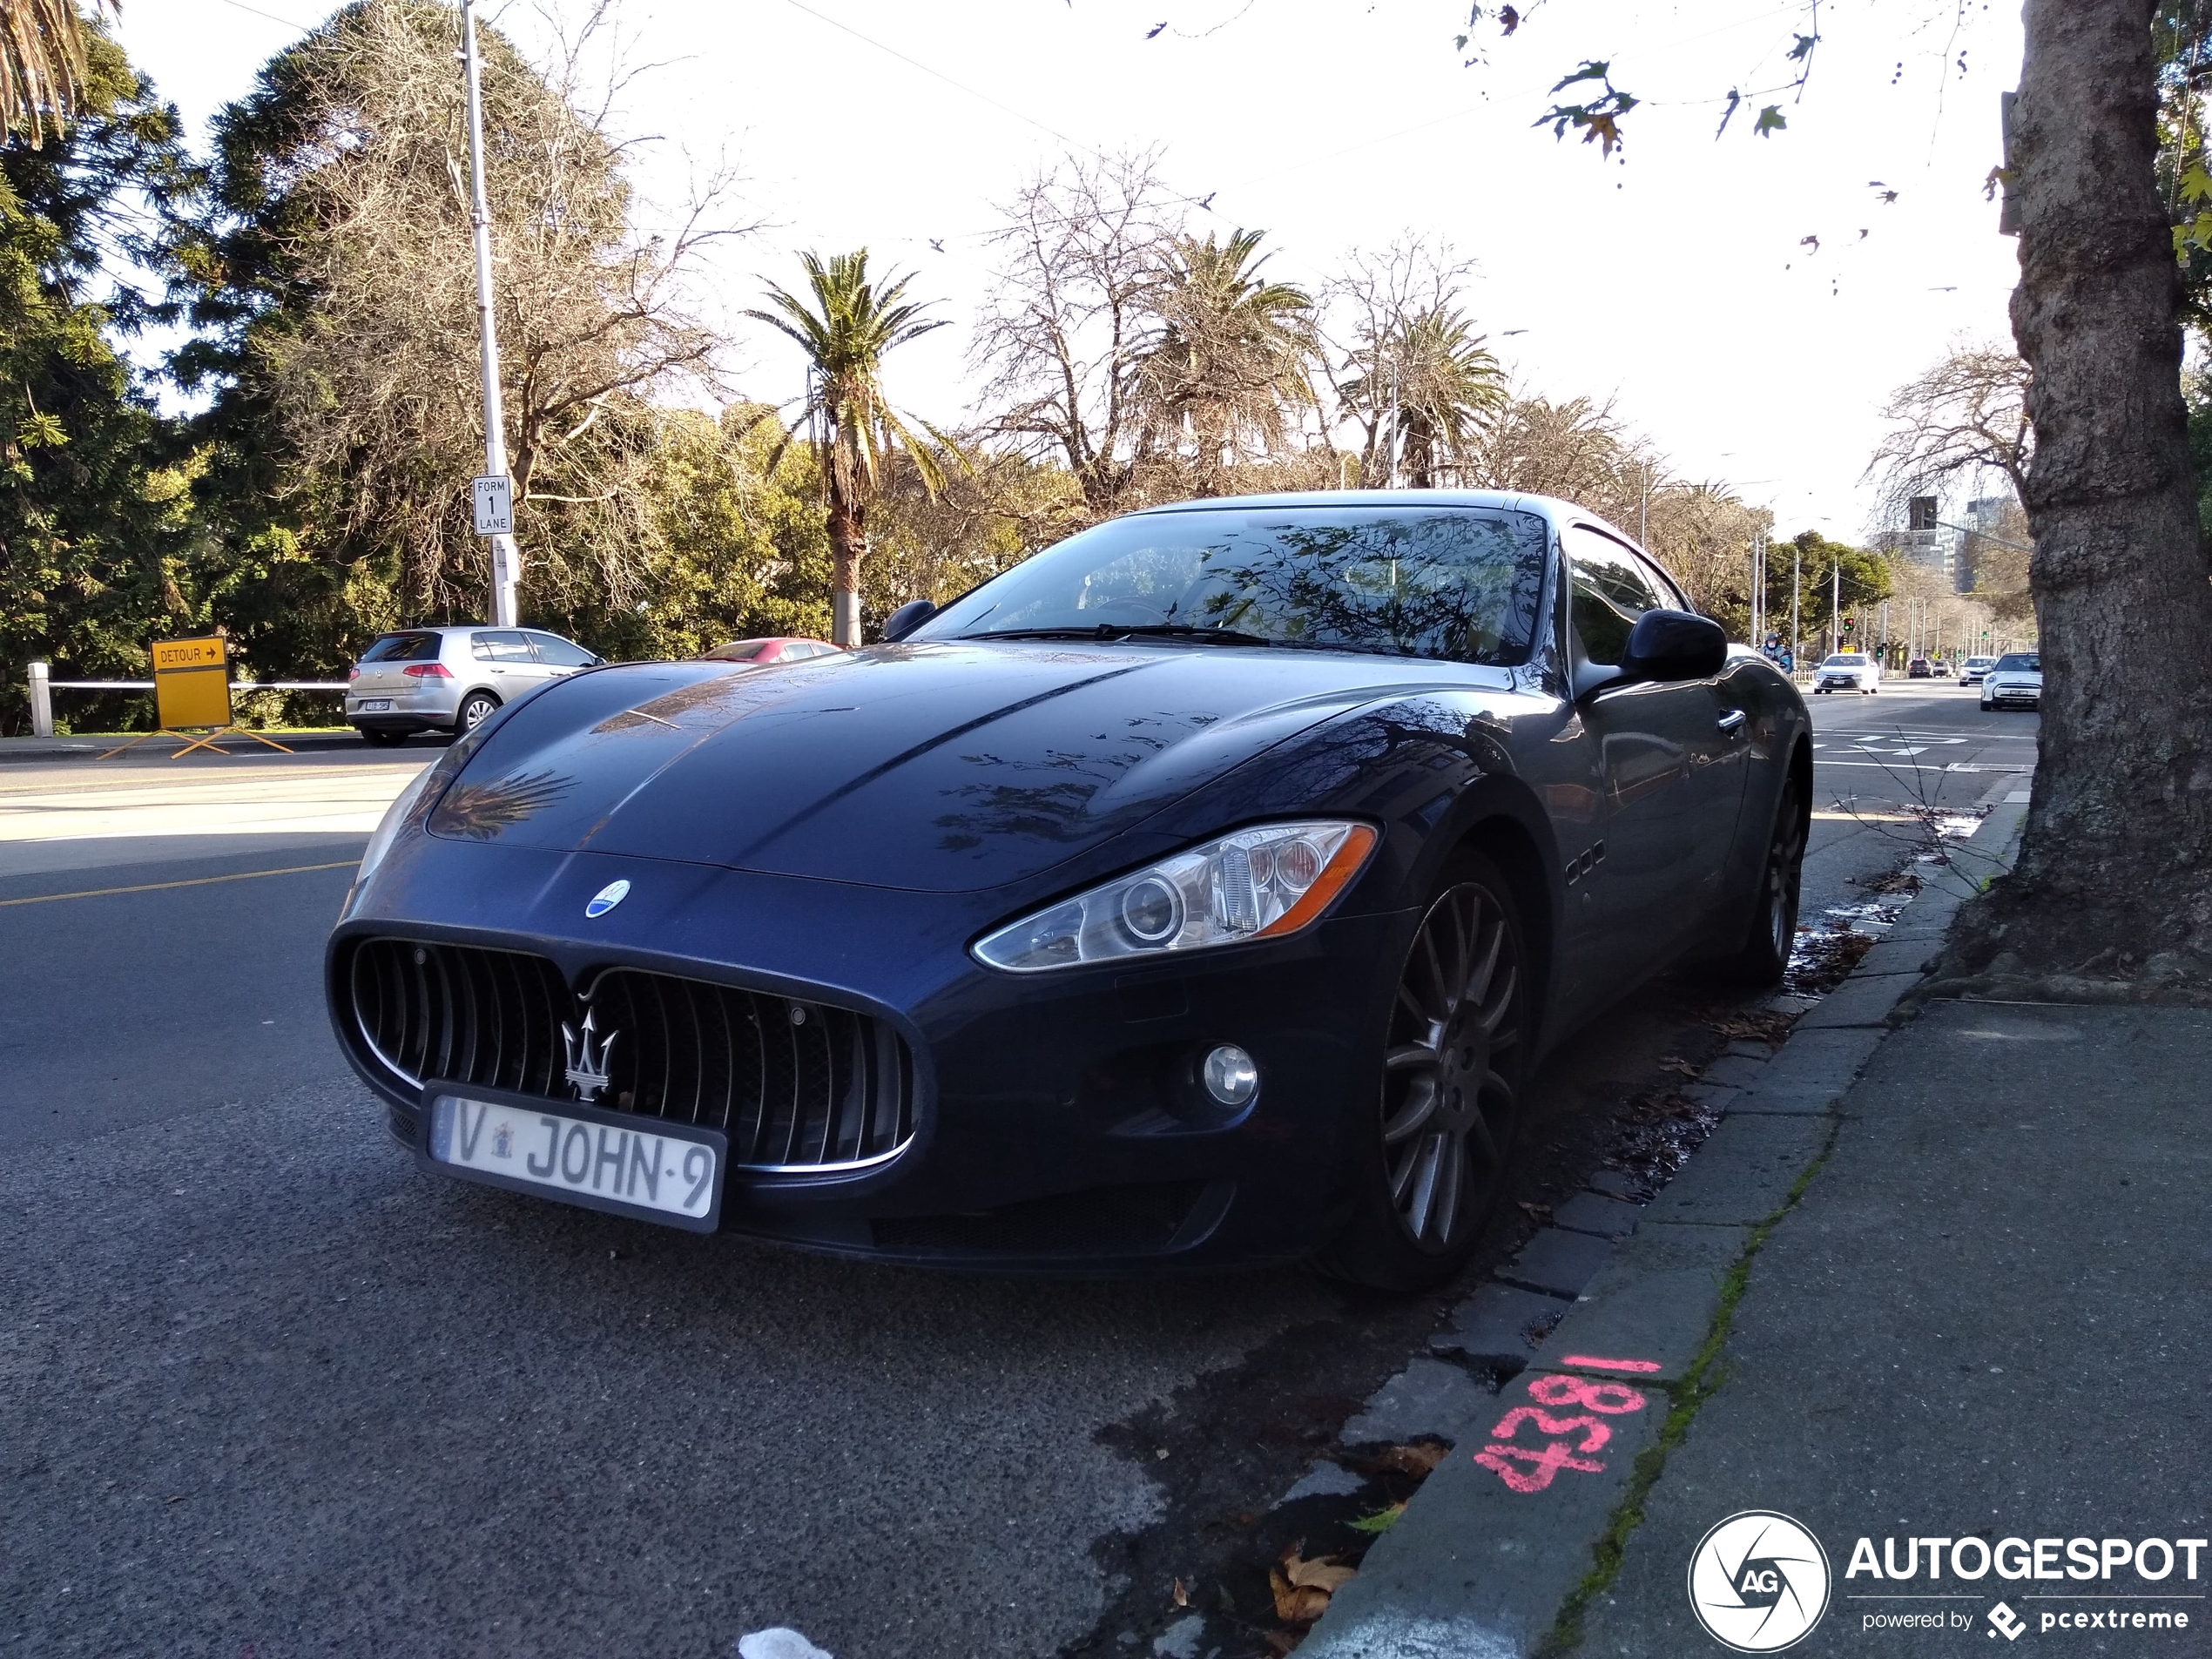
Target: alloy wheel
<point x="1449" y="1105"/>
<point x="1784" y="860"/>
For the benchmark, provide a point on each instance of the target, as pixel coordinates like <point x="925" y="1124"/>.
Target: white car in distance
<point x="1975" y="670"/>
<point x="1848" y="670"/>
<point x="2015" y="682"/>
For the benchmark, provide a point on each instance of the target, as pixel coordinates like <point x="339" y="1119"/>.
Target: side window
<point x="1612" y="588"/>
<point x="501" y="647"/>
<point x="557" y="652"/>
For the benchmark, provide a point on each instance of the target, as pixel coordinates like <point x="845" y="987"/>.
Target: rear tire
<point x="1764" y="957"/>
<point x="1429" y="1150"/>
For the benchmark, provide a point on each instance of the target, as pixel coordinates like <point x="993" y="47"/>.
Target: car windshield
<point x="1845" y="660"/>
<point x="2021" y="662"/>
<point x="1459" y="584"/>
<point x="1979" y="661"/>
<point x="404" y="648"/>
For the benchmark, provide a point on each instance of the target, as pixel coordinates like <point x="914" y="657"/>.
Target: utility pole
<point x="506" y="558"/>
<point x="1797" y="573"/>
<point x="1836" y="607"/>
<point x="1643" y="507"/>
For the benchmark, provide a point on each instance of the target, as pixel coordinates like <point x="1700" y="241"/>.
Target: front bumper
<point x="1056" y="1123"/>
<point x="2004" y="696"/>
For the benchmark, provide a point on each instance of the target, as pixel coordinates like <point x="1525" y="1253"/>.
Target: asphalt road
<point x="267" y="1390"/>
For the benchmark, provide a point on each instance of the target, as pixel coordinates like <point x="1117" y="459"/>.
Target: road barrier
<point x="43" y="686"/>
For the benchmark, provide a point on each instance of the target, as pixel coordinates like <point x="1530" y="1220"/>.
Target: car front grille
<point x="798" y="1086"/>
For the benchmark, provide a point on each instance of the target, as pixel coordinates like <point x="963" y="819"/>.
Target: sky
<point x="1675" y="279"/>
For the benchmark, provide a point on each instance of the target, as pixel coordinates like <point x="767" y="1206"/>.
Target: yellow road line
<point x="196" y="881"/>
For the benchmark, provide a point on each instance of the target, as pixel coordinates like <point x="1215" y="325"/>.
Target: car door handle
<point x="1731" y="722"/>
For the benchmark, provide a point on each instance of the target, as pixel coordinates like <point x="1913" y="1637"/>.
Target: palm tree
<point x="851" y="326"/>
<point x="1427" y="394"/>
<point x="42" y="65"/>
<point x="1229" y="366"/>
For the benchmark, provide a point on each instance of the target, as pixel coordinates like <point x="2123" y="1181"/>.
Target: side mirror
<point x="907" y="617"/>
<point x="1673" y="645"/>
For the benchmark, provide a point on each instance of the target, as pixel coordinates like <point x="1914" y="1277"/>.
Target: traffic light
<point x="1921" y="513"/>
<point x="1847" y="624"/>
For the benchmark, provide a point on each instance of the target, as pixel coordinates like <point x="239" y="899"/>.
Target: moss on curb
<point x="1701" y="1379"/>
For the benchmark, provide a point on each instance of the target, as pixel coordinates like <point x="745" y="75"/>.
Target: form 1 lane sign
<point x="495" y="502"/>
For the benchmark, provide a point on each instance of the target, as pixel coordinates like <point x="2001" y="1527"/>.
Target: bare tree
<point x="1703" y="533"/>
<point x="1063" y="336"/>
<point x="374" y="375"/>
<point x="1967" y="415"/>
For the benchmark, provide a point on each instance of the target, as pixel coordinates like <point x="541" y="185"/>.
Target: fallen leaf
<point x="1673" y="1062"/>
<point x="1418" y="1457"/>
<point x="1181" y="1596"/>
<point x="1539" y="1212"/>
<point x="1323" y="1573"/>
<point x="1295" y="1603"/>
<point x="1379" y="1523"/>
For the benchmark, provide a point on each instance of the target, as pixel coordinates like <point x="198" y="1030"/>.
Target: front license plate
<point x="581" y="1154"/>
<point x="374" y="705"/>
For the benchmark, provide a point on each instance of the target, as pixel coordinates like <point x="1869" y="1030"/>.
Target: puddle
<point x="1827" y="951"/>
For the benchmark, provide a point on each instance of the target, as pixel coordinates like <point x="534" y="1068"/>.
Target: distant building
<point x="1986" y="516"/>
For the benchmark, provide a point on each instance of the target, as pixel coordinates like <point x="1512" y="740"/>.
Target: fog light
<point x="1231" y="1078"/>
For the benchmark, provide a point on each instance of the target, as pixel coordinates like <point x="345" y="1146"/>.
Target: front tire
<point x="1429" y="1154"/>
<point x="1764" y="957"/>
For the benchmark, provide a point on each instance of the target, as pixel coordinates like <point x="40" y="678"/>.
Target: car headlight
<point x="1259" y="883"/>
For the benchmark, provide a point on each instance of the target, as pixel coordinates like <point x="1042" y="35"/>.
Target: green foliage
<point x="96" y="526"/>
<point x="1867" y="580"/>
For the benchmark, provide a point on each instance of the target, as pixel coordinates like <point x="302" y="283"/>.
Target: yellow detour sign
<point x="191" y="683"/>
<point x="191" y="690"/>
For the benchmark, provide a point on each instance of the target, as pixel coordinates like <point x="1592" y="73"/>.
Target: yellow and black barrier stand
<point x="191" y="696"/>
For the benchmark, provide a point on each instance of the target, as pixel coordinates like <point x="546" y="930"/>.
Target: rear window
<point x="404" y="648"/>
<point x="739" y="650"/>
<point x="2022" y="662"/>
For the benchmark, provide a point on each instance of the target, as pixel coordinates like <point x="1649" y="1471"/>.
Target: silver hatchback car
<point x="449" y="679"/>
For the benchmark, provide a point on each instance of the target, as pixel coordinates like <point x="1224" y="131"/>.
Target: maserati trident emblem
<point x="606" y="899"/>
<point x="587" y="1056"/>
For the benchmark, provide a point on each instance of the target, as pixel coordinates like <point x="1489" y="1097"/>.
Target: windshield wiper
<point x="1108" y="631"/>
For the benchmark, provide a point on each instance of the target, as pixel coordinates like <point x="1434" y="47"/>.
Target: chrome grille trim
<point x="799" y="1087"/>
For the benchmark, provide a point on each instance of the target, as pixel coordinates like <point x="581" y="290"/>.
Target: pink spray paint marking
<point x="1591" y="1362"/>
<point x="1569" y="1441"/>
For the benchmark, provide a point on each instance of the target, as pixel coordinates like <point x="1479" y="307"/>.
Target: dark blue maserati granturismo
<point x="1201" y="890"/>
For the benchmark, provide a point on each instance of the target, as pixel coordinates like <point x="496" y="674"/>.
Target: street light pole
<point x="506" y="558"/>
<point x="1797" y="573"/>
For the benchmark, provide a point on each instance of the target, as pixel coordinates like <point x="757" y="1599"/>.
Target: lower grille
<point x="796" y="1086"/>
<point x="1104" y="1220"/>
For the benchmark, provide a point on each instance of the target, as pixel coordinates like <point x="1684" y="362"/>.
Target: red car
<point x="760" y="652"/>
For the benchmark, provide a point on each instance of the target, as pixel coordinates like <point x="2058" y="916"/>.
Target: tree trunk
<point x="2115" y="878"/>
<point x="848" y="537"/>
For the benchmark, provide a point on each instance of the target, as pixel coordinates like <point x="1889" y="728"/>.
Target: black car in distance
<point x="1204" y="889"/>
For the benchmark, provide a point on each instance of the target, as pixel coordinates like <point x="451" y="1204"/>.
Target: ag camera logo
<point x="1758" y="1582"/>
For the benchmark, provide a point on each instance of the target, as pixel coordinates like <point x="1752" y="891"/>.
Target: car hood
<point x="946" y="767"/>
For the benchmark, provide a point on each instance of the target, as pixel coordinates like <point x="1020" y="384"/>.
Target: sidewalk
<point x="1961" y="1295"/>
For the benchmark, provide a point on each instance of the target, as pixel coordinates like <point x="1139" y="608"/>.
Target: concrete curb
<point x="1607" y="1330"/>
